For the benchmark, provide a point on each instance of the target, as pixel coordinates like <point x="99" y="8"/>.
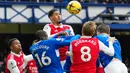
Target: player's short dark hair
<point x="103" y="28"/>
<point x="41" y="35"/>
<point x="51" y="12"/>
<point x="89" y="28"/>
<point x="11" y="40"/>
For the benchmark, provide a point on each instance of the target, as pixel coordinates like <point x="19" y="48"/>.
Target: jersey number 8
<point x="84" y="53"/>
<point x="45" y="60"/>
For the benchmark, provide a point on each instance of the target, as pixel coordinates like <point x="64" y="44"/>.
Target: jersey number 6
<point x="45" y="60"/>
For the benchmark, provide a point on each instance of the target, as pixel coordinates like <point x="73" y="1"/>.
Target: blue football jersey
<point x="45" y="53"/>
<point x="104" y="58"/>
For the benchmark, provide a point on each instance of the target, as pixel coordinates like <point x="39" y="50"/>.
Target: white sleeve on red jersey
<point x="70" y="53"/>
<point x="48" y="30"/>
<point x="27" y="58"/>
<point x="72" y="31"/>
<point x="12" y="66"/>
<point x="107" y="50"/>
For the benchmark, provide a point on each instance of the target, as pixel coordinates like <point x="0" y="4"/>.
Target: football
<point x="74" y="7"/>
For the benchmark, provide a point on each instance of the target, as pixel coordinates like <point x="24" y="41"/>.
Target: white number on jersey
<point x="84" y="53"/>
<point x="43" y="58"/>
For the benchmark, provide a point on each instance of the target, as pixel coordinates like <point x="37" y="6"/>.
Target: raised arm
<point x="27" y="58"/>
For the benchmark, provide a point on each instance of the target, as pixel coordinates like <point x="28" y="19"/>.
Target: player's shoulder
<point x="10" y="56"/>
<point x="11" y="62"/>
<point x="116" y="42"/>
<point x="95" y="39"/>
<point x="48" y="25"/>
<point x="32" y="48"/>
<point x="74" y="41"/>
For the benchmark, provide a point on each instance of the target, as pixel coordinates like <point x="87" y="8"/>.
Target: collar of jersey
<point x="18" y="55"/>
<point x="61" y="26"/>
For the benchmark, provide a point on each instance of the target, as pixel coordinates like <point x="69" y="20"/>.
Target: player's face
<point x="16" y="46"/>
<point x="56" y="17"/>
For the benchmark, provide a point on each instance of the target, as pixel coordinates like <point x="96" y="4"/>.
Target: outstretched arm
<point x="107" y="50"/>
<point x="60" y="42"/>
<point x="27" y="58"/>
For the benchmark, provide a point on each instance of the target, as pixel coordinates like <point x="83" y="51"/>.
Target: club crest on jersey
<point x="31" y="63"/>
<point x="56" y="30"/>
<point x="11" y="63"/>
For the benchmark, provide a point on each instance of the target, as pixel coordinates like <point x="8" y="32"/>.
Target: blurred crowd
<point x="2" y="61"/>
<point x="114" y="1"/>
<point x="105" y="1"/>
<point x="82" y="1"/>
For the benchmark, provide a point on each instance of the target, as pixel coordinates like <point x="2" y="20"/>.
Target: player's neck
<point x="16" y="53"/>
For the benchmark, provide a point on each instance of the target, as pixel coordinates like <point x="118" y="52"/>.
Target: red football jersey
<point x="19" y="62"/>
<point x="62" y="50"/>
<point x="84" y="55"/>
<point x="32" y="68"/>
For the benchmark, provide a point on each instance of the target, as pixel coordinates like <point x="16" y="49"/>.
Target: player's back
<point x="84" y="55"/>
<point x="105" y="59"/>
<point x="44" y="53"/>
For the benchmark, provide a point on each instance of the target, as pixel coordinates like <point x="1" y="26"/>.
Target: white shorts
<point x="62" y="63"/>
<point x="116" y="66"/>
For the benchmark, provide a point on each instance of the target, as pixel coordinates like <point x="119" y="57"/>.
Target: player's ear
<point x="10" y="47"/>
<point x="51" y="18"/>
